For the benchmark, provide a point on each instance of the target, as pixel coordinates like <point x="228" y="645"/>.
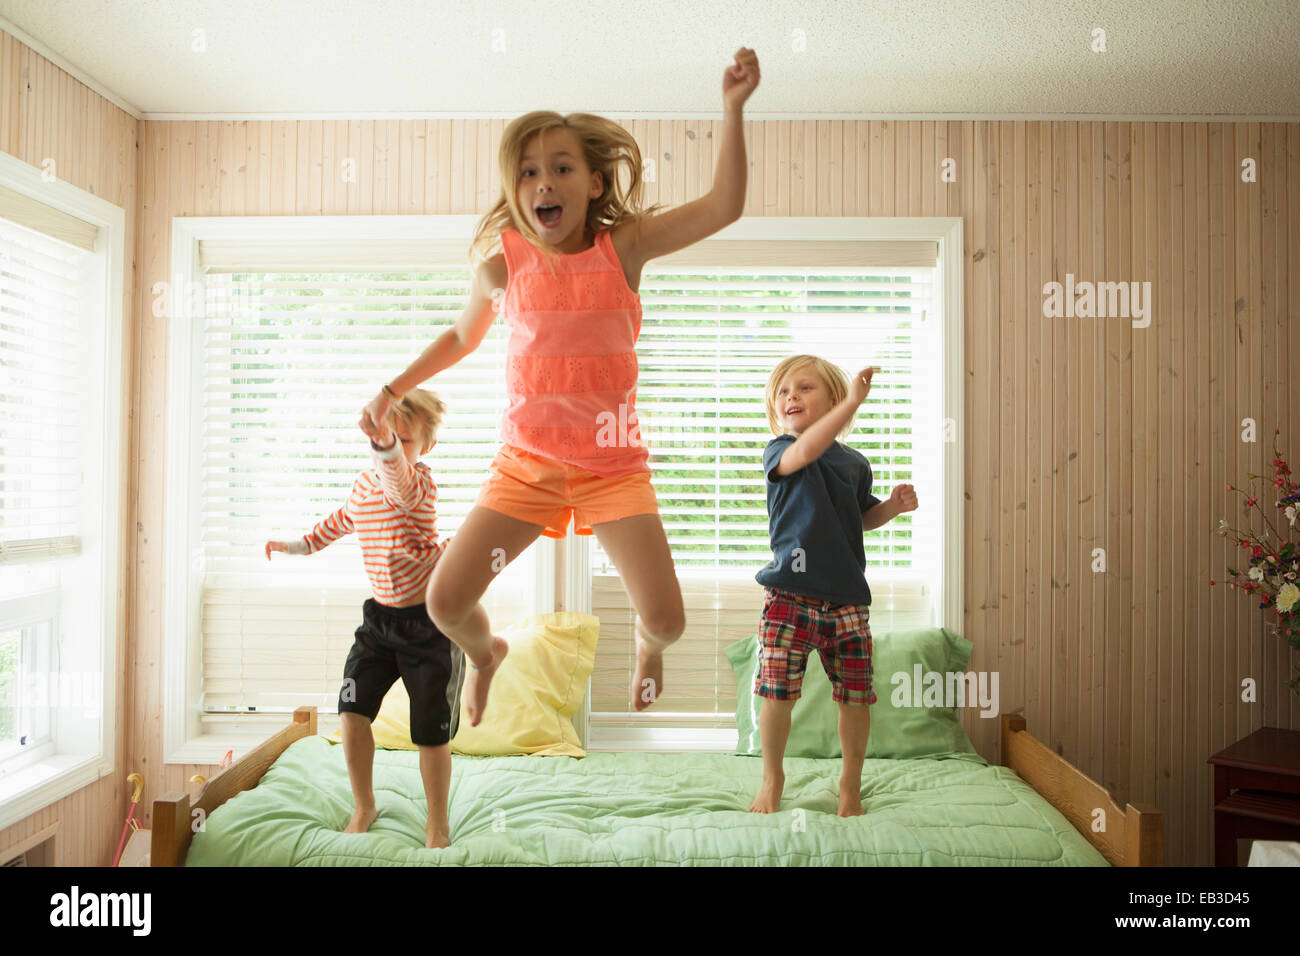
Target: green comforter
<point x="640" y="809"/>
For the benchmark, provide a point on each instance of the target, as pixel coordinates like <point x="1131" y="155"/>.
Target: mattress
<point x="641" y="809"/>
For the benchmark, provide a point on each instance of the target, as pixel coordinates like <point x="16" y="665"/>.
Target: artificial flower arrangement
<point x="1274" y="572"/>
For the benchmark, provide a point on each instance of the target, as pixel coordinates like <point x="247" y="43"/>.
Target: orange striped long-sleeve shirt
<point x="392" y="510"/>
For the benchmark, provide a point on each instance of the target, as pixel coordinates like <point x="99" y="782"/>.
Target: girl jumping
<point x="572" y="250"/>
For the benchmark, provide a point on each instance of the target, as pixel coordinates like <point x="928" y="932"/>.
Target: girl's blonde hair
<point x="422" y="412"/>
<point x="607" y="148"/>
<point x="832" y="376"/>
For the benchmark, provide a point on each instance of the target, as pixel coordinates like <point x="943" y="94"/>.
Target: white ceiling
<point x="1189" y="59"/>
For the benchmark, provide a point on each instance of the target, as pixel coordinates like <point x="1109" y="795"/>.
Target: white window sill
<point x="662" y="739"/>
<point x="32" y="789"/>
<point x="244" y="733"/>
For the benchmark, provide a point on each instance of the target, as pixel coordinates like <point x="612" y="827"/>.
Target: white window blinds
<point x="291" y="351"/>
<point x="288" y="361"/>
<point x="44" y="290"/>
<point x="709" y="340"/>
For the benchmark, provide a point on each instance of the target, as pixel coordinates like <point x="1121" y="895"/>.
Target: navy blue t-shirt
<point x="818" y="509"/>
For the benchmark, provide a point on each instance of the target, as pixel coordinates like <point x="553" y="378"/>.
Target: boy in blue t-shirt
<point x="816" y="597"/>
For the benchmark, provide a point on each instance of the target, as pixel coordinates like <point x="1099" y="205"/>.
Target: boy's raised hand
<point x="374" y="415"/>
<point x="276" y="546"/>
<point x="903" y="498"/>
<point x="377" y="428"/>
<point x="861" y="384"/>
<point x="741" y="79"/>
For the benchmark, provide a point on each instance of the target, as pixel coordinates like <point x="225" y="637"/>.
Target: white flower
<point x="1257" y="574"/>
<point x="1223" y="525"/>
<point x="1291" y="514"/>
<point x="1287" y="597"/>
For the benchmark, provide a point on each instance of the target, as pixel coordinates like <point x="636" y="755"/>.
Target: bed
<point x="285" y="802"/>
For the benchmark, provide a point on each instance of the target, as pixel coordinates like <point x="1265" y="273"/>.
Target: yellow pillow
<point x="535" y="693"/>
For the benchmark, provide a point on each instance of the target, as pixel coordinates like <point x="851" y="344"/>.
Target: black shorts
<point x="402" y="642"/>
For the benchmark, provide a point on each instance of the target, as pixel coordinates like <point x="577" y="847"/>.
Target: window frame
<point x="189" y="735"/>
<point x="184" y="739"/>
<point x="946" y="232"/>
<point x="84" y="748"/>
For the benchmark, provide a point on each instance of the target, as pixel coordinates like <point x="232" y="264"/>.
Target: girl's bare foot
<point x="648" y="682"/>
<point x="769" y="796"/>
<point x="437" y="836"/>
<point x="477" y="681"/>
<point x="850" y="801"/>
<point x="362" y="817"/>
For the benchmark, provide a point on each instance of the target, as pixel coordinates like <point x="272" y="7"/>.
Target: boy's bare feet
<point x="648" y="682"/>
<point x="477" y="681"/>
<point x="362" y="817"/>
<point x="437" y="835"/>
<point x="850" y="801"/>
<point x="769" y="796"/>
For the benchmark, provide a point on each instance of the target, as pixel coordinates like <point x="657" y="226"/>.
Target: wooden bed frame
<point x="1132" y="836"/>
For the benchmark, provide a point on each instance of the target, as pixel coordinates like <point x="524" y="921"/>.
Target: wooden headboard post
<point x="170" y="838"/>
<point x="172" y="828"/>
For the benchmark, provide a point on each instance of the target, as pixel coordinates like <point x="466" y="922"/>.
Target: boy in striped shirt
<point x="391" y="509"/>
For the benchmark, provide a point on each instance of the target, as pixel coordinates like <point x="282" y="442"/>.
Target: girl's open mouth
<point x="549" y="214"/>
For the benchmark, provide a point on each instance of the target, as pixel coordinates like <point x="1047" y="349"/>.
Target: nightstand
<point x="1256" y="791"/>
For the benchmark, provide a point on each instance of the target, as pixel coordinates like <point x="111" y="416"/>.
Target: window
<point x="285" y="355"/>
<point x="60" y="348"/>
<point x="714" y="326"/>
<point x="296" y="322"/>
<point x="24" y="657"/>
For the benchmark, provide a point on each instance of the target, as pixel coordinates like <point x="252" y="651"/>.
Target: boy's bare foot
<point x="769" y="796"/>
<point x="362" y="817"/>
<point x="477" y="681"/>
<point x="850" y="801"/>
<point x="648" y="682"/>
<point x="437" y="836"/>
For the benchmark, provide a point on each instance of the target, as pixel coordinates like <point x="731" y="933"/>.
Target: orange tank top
<point x="571" y="367"/>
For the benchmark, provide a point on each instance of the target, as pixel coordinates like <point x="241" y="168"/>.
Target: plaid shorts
<point x="792" y="625"/>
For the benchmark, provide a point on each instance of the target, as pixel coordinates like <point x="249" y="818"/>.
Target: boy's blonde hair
<point x="832" y="376"/>
<point x="607" y="148"/>
<point x="422" y="412"/>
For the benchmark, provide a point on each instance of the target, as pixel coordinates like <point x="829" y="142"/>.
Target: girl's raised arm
<point x="452" y="345"/>
<point x="725" y="202"/>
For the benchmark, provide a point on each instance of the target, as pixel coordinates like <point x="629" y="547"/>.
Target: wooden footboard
<point x="173" y="816"/>
<point x="1133" y="836"/>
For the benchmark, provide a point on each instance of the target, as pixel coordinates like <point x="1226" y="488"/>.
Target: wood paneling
<point x="45" y="114"/>
<point x="1080" y="433"/>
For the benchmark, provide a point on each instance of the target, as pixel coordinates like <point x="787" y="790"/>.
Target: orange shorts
<point x="545" y="491"/>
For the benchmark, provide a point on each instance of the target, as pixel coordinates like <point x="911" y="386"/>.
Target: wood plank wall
<point x="1080" y="433"/>
<point x="47" y="114"/>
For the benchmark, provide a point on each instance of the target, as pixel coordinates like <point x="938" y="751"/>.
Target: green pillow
<point x="898" y="729"/>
